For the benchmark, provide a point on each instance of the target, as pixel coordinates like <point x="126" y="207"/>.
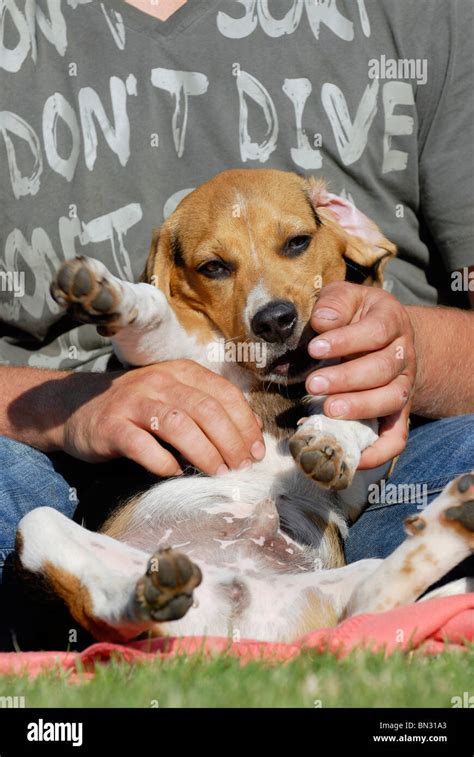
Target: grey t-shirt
<point x="109" y="116"/>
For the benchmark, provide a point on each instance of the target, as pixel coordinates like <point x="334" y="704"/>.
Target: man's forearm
<point x="444" y="342"/>
<point x="34" y="403"/>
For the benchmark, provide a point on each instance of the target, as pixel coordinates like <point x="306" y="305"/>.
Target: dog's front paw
<point x="90" y="293"/>
<point x="322" y="458"/>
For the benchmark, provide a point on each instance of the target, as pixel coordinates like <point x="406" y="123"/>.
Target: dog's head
<point x="243" y="258"/>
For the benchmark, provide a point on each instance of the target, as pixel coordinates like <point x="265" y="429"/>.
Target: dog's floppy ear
<point x="365" y="261"/>
<point x="147" y="274"/>
<point x="165" y="252"/>
<point x="367" y="251"/>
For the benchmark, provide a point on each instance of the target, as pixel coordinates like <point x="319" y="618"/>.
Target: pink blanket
<point x="432" y="626"/>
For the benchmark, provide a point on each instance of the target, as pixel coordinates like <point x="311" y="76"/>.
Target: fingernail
<point x="245" y="464"/>
<point x="318" y="385"/>
<point x="338" y="408"/>
<point x="319" y="347"/>
<point x="326" y="314"/>
<point x="222" y="469"/>
<point x="257" y="450"/>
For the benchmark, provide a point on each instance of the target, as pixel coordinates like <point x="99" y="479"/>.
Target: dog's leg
<point x="112" y="590"/>
<point x="438" y="539"/>
<point x="137" y="317"/>
<point x="460" y="586"/>
<point x="328" y="450"/>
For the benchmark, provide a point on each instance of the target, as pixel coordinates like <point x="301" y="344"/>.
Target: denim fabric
<point x="436" y="453"/>
<point x="27" y="480"/>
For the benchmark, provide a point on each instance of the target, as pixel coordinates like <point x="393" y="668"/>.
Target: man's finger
<point x="368" y="372"/>
<point x="243" y="417"/>
<point x="375" y="331"/>
<point x="215" y="423"/>
<point x="233" y="402"/>
<point x="374" y="403"/>
<point x="174" y="425"/>
<point x="139" y="446"/>
<point x="337" y="305"/>
<point x="393" y="435"/>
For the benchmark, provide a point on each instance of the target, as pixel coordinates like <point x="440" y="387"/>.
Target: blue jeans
<point x="27" y="480"/>
<point x="436" y="453"/>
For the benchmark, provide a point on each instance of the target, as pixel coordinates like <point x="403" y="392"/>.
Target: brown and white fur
<point x="261" y="548"/>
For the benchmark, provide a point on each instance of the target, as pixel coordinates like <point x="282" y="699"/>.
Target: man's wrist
<point x="44" y="402"/>
<point x="73" y="392"/>
<point x="415" y="314"/>
<point x="444" y="378"/>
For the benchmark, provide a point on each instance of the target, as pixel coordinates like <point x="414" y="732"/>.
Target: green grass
<point x="359" y="680"/>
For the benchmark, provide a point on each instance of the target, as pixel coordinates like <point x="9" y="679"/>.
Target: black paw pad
<point x="316" y="464"/>
<point x="464" y="514"/>
<point x="465" y="482"/>
<point x="83" y="282"/>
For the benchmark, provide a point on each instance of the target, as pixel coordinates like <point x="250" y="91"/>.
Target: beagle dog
<point x="254" y="553"/>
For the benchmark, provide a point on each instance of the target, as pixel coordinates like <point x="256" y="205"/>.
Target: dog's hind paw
<point x="461" y="513"/>
<point x="165" y="592"/>
<point x="454" y="509"/>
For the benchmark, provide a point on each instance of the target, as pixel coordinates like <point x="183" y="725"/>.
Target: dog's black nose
<point x="275" y="322"/>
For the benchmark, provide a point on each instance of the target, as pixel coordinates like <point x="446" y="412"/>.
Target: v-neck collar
<point x="177" y="22"/>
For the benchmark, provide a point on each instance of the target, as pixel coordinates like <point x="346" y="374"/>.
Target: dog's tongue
<point x="282" y="369"/>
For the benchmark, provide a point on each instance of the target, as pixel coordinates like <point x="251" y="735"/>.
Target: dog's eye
<point x="215" y="269"/>
<point x="296" y="245"/>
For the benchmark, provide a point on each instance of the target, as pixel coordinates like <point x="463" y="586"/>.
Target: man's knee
<point x="436" y="453"/>
<point x="27" y="480"/>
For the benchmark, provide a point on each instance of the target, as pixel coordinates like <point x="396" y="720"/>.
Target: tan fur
<point x="279" y="414"/>
<point x="117" y="523"/>
<point x="318" y="612"/>
<point x="459" y="528"/>
<point x="332" y="540"/>
<point x="78" y="600"/>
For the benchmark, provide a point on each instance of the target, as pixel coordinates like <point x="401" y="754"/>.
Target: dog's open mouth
<point x="293" y="363"/>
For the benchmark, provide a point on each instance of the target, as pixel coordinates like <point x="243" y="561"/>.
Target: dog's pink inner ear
<point x="352" y="220"/>
<point x="366" y="245"/>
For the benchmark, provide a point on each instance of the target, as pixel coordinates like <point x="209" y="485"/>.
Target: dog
<point x="255" y="553"/>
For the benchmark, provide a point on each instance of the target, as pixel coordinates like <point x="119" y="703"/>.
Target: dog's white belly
<point x="248" y="601"/>
<point x="261" y="555"/>
<point x="212" y="512"/>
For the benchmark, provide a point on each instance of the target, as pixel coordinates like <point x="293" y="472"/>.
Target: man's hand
<point x="199" y="413"/>
<point x="372" y="332"/>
